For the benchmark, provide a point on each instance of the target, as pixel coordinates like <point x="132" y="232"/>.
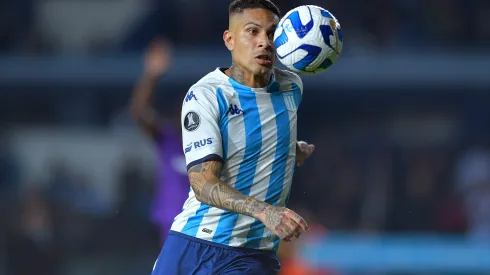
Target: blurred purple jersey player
<point x="173" y="185"/>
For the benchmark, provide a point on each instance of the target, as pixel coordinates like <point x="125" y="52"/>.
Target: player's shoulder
<point x="210" y="82"/>
<point x="207" y="84"/>
<point x="285" y="76"/>
<point x="204" y="90"/>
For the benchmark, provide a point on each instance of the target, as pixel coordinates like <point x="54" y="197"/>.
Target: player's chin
<point x="263" y="69"/>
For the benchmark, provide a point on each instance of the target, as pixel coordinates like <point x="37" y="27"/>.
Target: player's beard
<point x="263" y="71"/>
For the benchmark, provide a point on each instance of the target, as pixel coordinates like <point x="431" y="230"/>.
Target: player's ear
<point x="228" y="39"/>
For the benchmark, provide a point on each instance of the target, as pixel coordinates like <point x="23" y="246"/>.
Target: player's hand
<point x="303" y="152"/>
<point x="157" y="58"/>
<point x="283" y="222"/>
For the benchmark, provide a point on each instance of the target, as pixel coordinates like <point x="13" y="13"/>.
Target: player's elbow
<point x="198" y="193"/>
<point x="201" y="187"/>
<point x="146" y="118"/>
<point x="204" y="180"/>
<point x="138" y="116"/>
<point x="138" y="108"/>
<point x="136" y="111"/>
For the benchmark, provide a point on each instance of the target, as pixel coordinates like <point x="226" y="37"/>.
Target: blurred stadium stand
<point x="401" y="172"/>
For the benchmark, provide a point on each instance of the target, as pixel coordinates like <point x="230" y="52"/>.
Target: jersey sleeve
<point x="201" y="135"/>
<point x="293" y="77"/>
<point x="297" y="79"/>
<point x="297" y="87"/>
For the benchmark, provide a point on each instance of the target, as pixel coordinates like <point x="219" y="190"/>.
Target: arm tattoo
<point x="204" y="179"/>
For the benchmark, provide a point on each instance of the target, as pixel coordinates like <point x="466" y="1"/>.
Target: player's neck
<point x="247" y="78"/>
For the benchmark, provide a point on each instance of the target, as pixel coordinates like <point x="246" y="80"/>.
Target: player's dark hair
<point x="238" y="6"/>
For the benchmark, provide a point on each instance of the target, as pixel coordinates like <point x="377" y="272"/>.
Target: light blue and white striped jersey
<point x="253" y="132"/>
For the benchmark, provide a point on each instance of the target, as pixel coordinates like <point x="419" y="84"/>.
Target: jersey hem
<point x="233" y="248"/>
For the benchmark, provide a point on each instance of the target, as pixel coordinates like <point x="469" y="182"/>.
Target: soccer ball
<point x="308" y="39"/>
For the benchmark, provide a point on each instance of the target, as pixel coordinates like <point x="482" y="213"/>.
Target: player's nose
<point x="265" y="41"/>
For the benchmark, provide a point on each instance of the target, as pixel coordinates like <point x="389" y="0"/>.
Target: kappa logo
<point x="190" y="96"/>
<point x="234" y="110"/>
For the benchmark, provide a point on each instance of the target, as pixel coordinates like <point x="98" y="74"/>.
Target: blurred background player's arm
<point x="205" y="182"/>
<point x="156" y="64"/>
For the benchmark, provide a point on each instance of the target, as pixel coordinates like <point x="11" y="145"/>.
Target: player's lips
<point x="264" y="59"/>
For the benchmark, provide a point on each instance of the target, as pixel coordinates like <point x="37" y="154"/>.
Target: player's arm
<point x="141" y="106"/>
<point x="209" y="189"/>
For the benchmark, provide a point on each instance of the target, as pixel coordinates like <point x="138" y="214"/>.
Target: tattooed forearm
<point x="226" y="197"/>
<point x="209" y="189"/>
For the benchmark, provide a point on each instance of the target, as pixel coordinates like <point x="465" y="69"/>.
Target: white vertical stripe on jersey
<point x="264" y="165"/>
<point x="288" y="179"/>
<point x="268" y="236"/>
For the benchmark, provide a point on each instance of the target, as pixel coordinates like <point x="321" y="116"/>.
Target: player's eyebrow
<point x="253" y="23"/>
<point x="273" y="27"/>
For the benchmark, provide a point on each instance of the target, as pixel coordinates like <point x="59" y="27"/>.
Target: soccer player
<point x="239" y="140"/>
<point x="173" y="183"/>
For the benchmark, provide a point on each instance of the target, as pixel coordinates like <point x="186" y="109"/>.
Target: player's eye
<point x="252" y="31"/>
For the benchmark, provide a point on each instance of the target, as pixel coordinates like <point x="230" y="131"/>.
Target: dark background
<point x="401" y="125"/>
